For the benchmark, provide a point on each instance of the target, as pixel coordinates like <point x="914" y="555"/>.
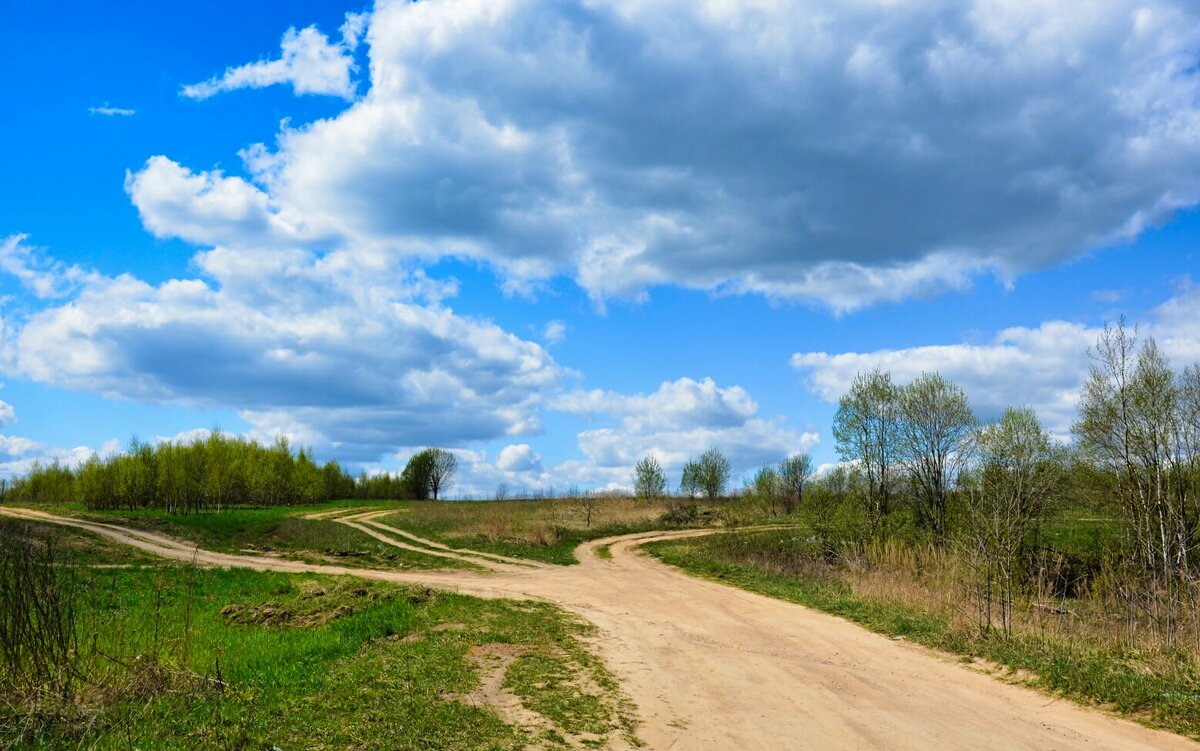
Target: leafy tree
<point x="1140" y="425"/>
<point x="1018" y="470"/>
<point x="417" y="477"/>
<point x="689" y="480"/>
<point x="712" y="473"/>
<point x="766" y="488"/>
<point x="866" y="428"/>
<point x="935" y="427"/>
<point x="649" y="481"/>
<point x="794" y="473"/>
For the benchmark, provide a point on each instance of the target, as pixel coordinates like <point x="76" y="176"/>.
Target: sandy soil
<point x="713" y="667"/>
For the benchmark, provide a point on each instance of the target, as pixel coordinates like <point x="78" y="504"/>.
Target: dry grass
<point x="545" y="530"/>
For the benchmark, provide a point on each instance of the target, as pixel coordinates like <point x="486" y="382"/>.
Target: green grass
<point x="1161" y="689"/>
<point x="280" y="530"/>
<point x="312" y="662"/>
<point x="76" y="547"/>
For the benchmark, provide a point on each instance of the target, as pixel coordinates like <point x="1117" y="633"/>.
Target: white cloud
<point x="554" y="332"/>
<point x="846" y="153"/>
<point x="677" y="422"/>
<point x="109" y="111"/>
<point x="44" y="277"/>
<point x="18" y="454"/>
<point x="332" y="350"/>
<point x="207" y="207"/>
<point x="1042" y="367"/>
<point x="308" y="61"/>
<point x="519" y="457"/>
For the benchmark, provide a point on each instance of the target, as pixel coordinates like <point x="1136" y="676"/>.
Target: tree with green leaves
<point x="794" y="473"/>
<point x="935" y="427"/>
<point x="866" y="428"/>
<point x="1139" y="424"/>
<point x="1018" y="468"/>
<point x="649" y="481"/>
<point x="712" y="473"/>
<point x="416" y="479"/>
<point x="766" y="488"/>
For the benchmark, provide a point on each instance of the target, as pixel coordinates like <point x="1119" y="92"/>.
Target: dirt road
<point x="713" y="667"/>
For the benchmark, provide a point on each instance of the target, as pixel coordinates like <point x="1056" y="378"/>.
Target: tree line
<point x="221" y="472"/>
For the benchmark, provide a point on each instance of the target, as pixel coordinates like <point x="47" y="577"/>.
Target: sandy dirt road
<point x="713" y="667"/>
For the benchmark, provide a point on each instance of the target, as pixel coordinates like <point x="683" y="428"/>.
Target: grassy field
<point x="1070" y="649"/>
<point x="77" y="547"/>
<point x="545" y="530"/>
<point x="181" y="657"/>
<point x="279" y="530"/>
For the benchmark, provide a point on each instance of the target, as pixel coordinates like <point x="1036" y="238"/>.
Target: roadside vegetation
<point x="152" y="658"/>
<point x="1073" y="569"/>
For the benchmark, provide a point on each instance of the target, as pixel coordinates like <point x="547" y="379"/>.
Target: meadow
<point x="164" y="655"/>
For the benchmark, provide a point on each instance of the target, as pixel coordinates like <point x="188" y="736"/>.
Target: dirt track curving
<point x="713" y="667"/>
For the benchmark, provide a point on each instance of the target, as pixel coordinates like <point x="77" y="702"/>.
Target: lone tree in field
<point x="1017" y="471"/>
<point x="936" y="425"/>
<point x="417" y="475"/>
<point x="649" y="482"/>
<point x="866" y="428"/>
<point x="445" y="465"/>
<point x="712" y="473"/>
<point x="794" y="473"/>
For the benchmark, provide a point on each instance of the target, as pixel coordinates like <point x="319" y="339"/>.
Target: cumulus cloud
<point x="335" y="352"/>
<point x="307" y="60"/>
<point x="1042" y="367"/>
<point x="846" y="153"/>
<point x="674" y="423"/>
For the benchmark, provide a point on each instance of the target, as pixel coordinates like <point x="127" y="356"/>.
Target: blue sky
<point x="558" y="237"/>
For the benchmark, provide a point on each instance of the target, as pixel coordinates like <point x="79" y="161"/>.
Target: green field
<point x="277" y="530"/>
<point x="174" y="655"/>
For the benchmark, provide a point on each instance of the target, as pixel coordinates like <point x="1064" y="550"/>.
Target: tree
<point x="935" y="427"/>
<point x="1139" y="424"/>
<point x="866" y="429"/>
<point x="793" y="476"/>
<point x="649" y="482"/>
<point x="1018" y="469"/>
<point x="766" y="488"/>
<point x="689" y="481"/>
<point x="712" y="473"/>
<point x="445" y="465"/>
<point x="417" y="477"/>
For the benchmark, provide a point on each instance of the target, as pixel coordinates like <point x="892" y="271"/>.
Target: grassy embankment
<point x="275" y="530"/>
<point x="173" y="656"/>
<point x="544" y="530"/>
<point x="1075" y="646"/>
